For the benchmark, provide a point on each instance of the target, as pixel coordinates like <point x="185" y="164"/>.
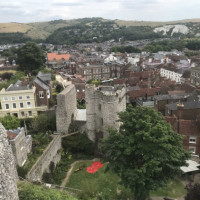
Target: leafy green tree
<point x="31" y="58"/>
<point x="145" y="152"/>
<point x="43" y="122"/>
<point x="10" y="122"/>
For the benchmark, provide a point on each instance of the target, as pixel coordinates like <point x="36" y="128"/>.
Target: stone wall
<point x="51" y="154"/>
<point x="21" y="146"/>
<point x="8" y="173"/>
<point x="102" y="105"/>
<point x="66" y="109"/>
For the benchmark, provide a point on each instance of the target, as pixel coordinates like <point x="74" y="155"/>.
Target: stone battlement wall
<point x="50" y="154"/>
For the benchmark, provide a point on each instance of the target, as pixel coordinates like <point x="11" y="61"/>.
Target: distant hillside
<point x="96" y="29"/>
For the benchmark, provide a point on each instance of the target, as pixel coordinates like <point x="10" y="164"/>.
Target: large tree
<point x="145" y="152"/>
<point x="30" y="57"/>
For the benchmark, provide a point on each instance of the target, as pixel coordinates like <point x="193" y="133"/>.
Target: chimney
<point x="180" y="108"/>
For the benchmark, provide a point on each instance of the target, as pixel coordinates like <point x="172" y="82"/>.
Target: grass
<point x="106" y="185"/>
<point x="174" y="189"/>
<point x="100" y="184"/>
<point x="29" y="191"/>
<point x="59" y="173"/>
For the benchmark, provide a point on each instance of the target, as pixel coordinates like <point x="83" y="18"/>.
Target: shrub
<point x="10" y="122"/>
<point x="78" y="143"/>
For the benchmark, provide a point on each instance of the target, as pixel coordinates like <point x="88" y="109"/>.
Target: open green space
<point x="174" y="189"/>
<point x="106" y="185"/>
<point x="28" y="191"/>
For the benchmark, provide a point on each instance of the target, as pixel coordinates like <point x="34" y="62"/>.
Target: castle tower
<point x="102" y="105"/>
<point x="91" y="99"/>
<point x="8" y="173"/>
<point x="66" y="109"/>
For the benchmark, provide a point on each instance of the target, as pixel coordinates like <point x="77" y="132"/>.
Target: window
<point x="28" y="104"/>
<point x="20" y="97"/>
<point x="192" y="139"/>
<point x="22" y="114"/>
<point x="28" y="97"/>
<point x="5" y="98"/>
<point x="21" y="105"/>
<point x="41" y="94"/>
<point x="7" y="106"/>
<point x="14" y="105"/>
<point x="12" y="98"/>
<point x="192" y="149"/>
<point x="30" y="113"/>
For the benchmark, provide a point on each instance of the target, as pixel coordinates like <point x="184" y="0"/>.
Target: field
<point x="41" y="30"/>
<point x="106" y="185"/>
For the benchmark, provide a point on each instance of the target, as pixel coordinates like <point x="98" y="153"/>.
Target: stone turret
<point x="102" y="105"/>
<point x="8" y="173"/>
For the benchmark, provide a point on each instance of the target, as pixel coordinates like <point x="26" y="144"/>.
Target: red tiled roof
<point x="55" y="56"/>
<point x="134" y="94"/>
<point x="11" y="135"/>
<point x="133" y="81"/>
<point x="119" y="81"/>
<point x="176" y="92"/>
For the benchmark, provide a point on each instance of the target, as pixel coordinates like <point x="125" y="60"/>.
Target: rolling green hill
<point x="95" y="29"/>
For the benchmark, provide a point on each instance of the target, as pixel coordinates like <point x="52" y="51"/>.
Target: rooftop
<point x="173" y="96"/>
<point x="55" y="56"/>
<point x="192" y="166"/>
<point x="81" y="115"/>
<point x="187" y="105"/>
<point x="19" y="85"/>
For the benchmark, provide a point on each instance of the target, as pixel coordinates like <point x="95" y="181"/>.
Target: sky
<point x="25" y="11"/>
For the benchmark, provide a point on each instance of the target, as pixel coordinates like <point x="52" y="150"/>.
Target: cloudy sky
<point x="147" y="10"/>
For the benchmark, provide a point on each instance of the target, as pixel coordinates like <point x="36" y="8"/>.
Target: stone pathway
<point x="68" y="174"/>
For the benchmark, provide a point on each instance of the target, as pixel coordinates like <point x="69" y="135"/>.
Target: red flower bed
<point x="94" y="168"/>
<point x="97" y="164"/>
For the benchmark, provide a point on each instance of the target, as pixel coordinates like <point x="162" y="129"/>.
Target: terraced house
<point x="25" y="100"/>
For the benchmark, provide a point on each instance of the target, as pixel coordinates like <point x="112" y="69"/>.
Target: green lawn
<point x="106" y="185"/>
<point x="174" y="189"/>
<point x="99" y="184"/>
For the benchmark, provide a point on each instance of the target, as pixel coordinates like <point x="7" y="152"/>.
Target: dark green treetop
<point x="145" y="152"/>
<point x="30" y="57"/>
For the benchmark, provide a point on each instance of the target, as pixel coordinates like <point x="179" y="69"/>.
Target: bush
<point x="29" y="191"/>
<point x="10" y="122"/>
<point x="78" y="143"/>
<point x="43" y="123"/>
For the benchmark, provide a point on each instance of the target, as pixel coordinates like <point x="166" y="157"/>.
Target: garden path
<point x="68" y="174"/>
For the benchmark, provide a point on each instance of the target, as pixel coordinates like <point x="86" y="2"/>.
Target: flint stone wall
<point x="8" y="173"/>
<point x="51" y="154"/>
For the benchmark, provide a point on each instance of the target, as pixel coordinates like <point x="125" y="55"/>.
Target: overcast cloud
<point x="147" y="10"/>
